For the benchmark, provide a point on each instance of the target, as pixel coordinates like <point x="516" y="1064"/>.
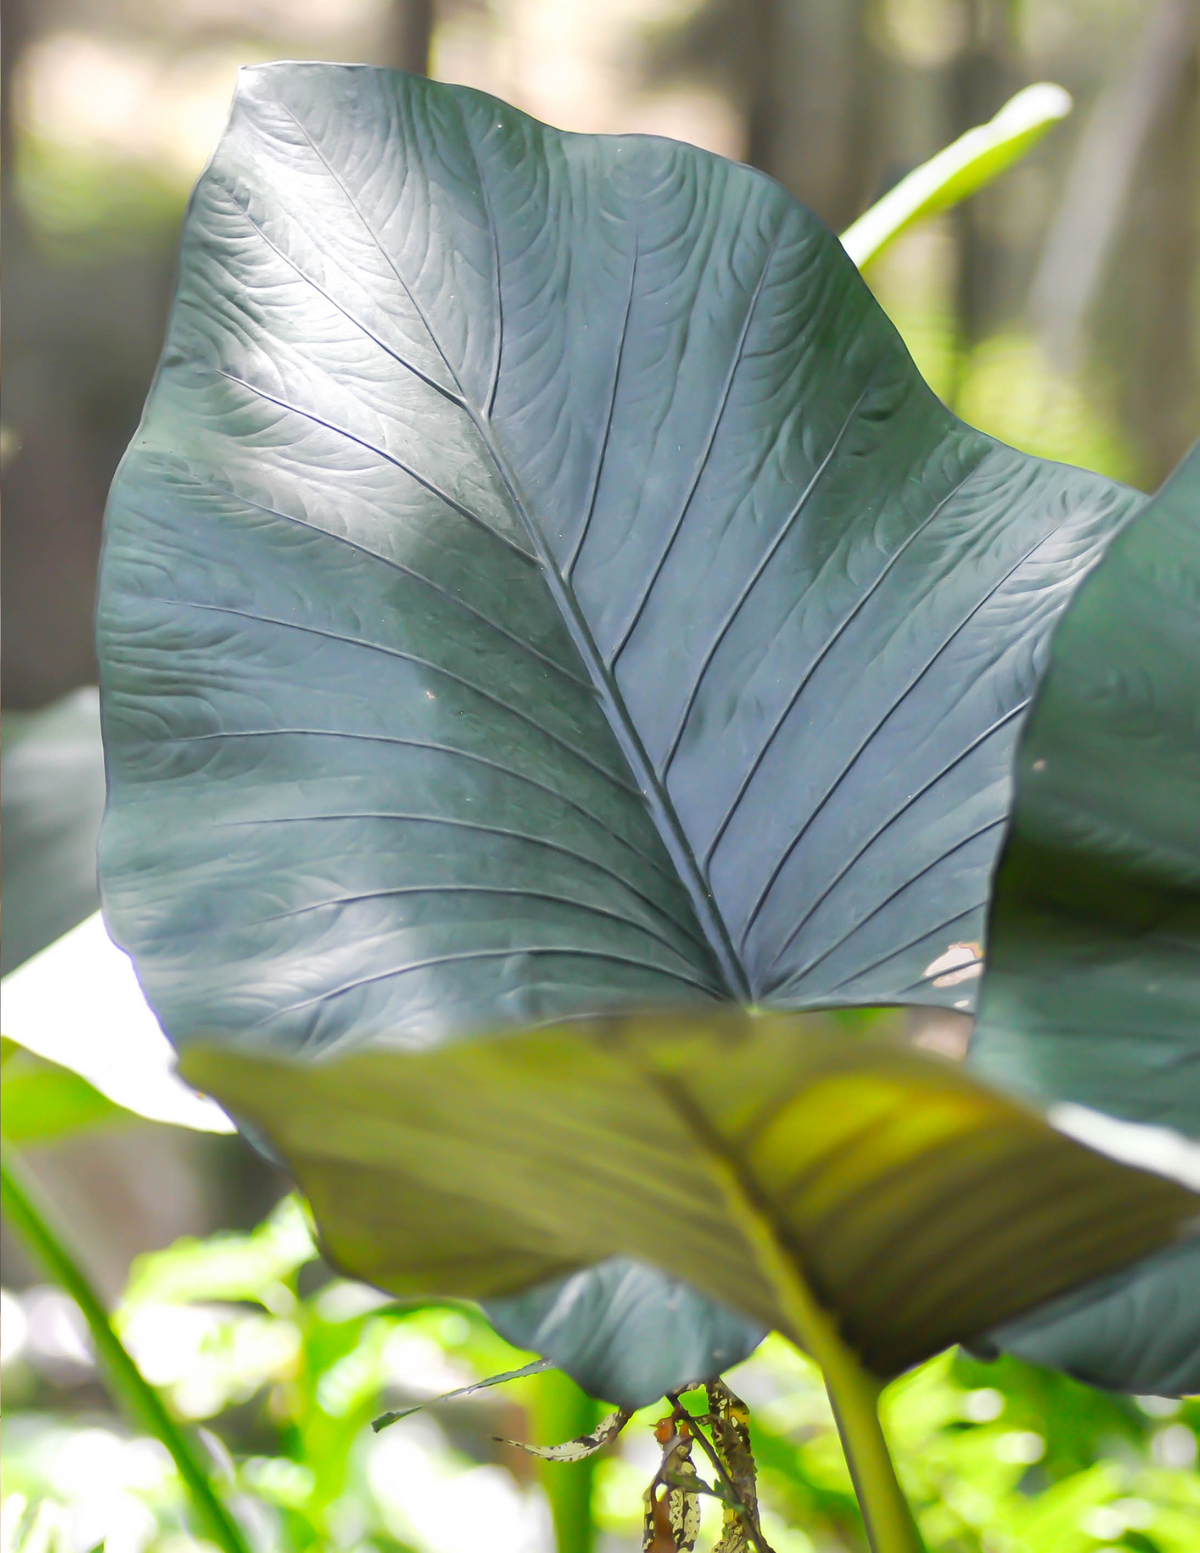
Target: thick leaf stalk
<point x="853" y="1390"/>
<point x="28" y="1218"/>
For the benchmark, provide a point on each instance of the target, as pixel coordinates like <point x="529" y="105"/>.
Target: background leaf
<point x="1092" y="993"/>
<point x="919" y="1207"/>
<point x="966" y="165"/>
<point x="53" y="798"/>
<point x="607" y="1326"/>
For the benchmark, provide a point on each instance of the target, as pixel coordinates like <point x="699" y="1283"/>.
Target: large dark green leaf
<point x="541" y="583"/>
<point x="918" y="1206"/>
<point x="1093" y="986"/>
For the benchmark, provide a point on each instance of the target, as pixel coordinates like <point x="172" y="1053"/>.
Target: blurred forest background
<point x="1059" y="310"/>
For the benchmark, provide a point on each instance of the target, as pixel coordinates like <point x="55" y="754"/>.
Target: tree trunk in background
<point x="13" y="28"/>
<point x="1145" y="329"/>
<point x="982" y="79"/>
<point x="1112" y="149"/>
<point x="812" y="109"/>
<point x="1119" y="260"/>
<point x="408" y="32"/>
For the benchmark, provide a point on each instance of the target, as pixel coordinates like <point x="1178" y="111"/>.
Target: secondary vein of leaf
<point x="879" y="830"/>
<point x="452" y="598"/>
<point x="415" y="659"/>
<point x="569" y="951"/>
<point x="702" y="460"/>
<point x="826" y="647"/>
<point x="932" y="932"/>
<point x="833" y="786"/>
<point x="887" y="900"/>
<point x="454" y="822"/>
<point x="440" y="749"/>
<point x="602" y="454"/>
<point x="450" y="395"/>
<point x="516" y="892"/>
<point x="341" y="431"/>
<point x="748" y="587"/>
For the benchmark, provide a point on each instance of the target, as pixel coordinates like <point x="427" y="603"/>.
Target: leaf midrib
<point x="653" y="794"/>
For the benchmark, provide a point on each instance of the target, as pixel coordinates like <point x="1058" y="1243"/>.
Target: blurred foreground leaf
<point x="917" y="1206"/>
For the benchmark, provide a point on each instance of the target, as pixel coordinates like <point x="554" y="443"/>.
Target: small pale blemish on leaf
<point x="958" y="963"/>
<point x="1039" y="765"/>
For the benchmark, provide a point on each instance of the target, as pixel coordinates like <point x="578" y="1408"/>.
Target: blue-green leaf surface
<point x="626" y="1330"/>
<point x="1093" y="986"/>
<point x="541" y="583"/>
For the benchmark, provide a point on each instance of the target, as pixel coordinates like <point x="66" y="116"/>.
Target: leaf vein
<point x="826" y="647"/>
<point x="414" y="658"/>
<point x="458" y="957"/>
<point x="407" y="571"/>
<point x="702" y="460"/>
<point x="397" y="463"/>
<point x="447" y="749"/>
<point x="891" y="711"/>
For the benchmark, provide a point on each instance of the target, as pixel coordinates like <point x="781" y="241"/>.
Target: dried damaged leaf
<point x="729" y="1421"/>
<point x="671" y="1522"/>
<point x="580" y="1448"/>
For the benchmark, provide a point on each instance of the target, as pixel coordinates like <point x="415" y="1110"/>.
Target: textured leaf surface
<point x="541" y="584"/>
<point x="1093" y="988"/>
<point x="919" y="1206"/>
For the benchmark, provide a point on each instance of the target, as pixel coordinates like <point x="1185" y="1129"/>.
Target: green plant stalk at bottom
<point x="853" y="1390"/>
<point x="27" y="1217"/>
<point x="561" y="1411"/>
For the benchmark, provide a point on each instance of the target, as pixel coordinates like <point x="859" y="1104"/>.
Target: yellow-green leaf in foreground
<point x="753" y="1156"/>
<point x="43" y="1102"/>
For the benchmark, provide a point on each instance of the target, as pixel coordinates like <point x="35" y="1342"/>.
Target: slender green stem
<point x="853" y="1391"/>
<point x="28" y="1218"/>
<point x="562" y="1411"/>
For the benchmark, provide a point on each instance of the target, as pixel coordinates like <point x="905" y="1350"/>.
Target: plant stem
<point x="562" y="1411"/>
<point x="28" y="1218"/>
<point x="853" y="1390"/>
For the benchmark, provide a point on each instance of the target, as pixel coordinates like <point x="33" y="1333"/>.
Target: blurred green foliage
<point x="82" y="205"/>
<point x="283" y="1365"/>
<point x="1003" y="384"/>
